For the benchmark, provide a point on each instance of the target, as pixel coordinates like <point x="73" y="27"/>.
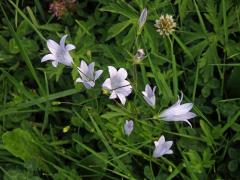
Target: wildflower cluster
<point x="117" y="85"/>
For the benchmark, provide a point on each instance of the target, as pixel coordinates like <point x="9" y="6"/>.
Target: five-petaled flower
<point x="149" y="95"/>
<point x="178" y="112"/>
<point x="59" y="52"/>
<point x="117" y="85"/>
<point x="87" y="74"/>
<point x="162" y="147"/>
<point x="128" y="127"/>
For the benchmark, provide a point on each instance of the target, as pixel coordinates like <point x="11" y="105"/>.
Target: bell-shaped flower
<point x="178" y="112"/>
<point x="87" y="74"/>
<point x="117" y="85"/>
<point x="149" y="95"/>
<point x="59" y="52"/>
<point x="128" y="127"/>
<point x="162" y="147"/>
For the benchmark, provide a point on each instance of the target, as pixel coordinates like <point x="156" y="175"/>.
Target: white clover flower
<point x="143" y="17"/>
<point x="128" y="127"/>
<point x="165" y="25"/>
<point x="178" y="112"/>
<point x="88" y="75"/>
<point x="149" y="95"/>
<point x="162" y="147"/>
<point x="117" y="85"/>
<point x="59" y="52"/>
<point x="139" y="56"/>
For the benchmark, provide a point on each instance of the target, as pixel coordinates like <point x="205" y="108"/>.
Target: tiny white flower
<point x="143" y="17"/>
<point x="178" y="112"/>
<point x="128" y="127"/>
<point x="149" y="95"/>
<point x="117" y="85"/>
<point x="162" y="147"/>
<point x="139" y="56"/>
<point x="59" y="52"/>
<point x="88" y="75"/>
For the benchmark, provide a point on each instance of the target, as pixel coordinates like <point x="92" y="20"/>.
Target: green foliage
<point x="37" y="101"/>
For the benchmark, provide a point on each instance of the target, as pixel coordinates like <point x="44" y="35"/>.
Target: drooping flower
<point x="87" y="74"/>
<point x="143" y="17"/>
<point x="178" y="112"/>
<point x="149" y="95"/>
<point x="139" y="56"/>
<point x="128" y="127"/>
<point x="117" y="85"/>
<point x="165" y="25"/>
<point x="59" y="52"/>
<point x="162" y="147"/>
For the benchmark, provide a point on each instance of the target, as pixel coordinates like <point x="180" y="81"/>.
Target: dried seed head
<point x="165" y="25"/>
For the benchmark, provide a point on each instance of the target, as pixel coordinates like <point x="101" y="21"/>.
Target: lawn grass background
<point x="53" y="128"/>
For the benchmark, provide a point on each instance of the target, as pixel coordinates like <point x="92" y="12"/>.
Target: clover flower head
<point x="162" y="147"/>
<point x="59" y="52"/>
<point x="128" y="127"/>
<point x="178" y="112"/>
<point x="143" y="17"/>
<point x="139" y="56"/>
<point x="165" y="25"/>
<point x="58" y="8"/>
<point x="149" y="95"/>
<point x="117" y="85"/>
<point x="87" y="74"/>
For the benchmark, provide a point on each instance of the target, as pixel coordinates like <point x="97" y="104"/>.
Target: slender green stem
<point x="174" y="68"/>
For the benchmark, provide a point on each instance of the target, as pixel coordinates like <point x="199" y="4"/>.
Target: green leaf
<point x="117" y="28"/>
<point x="20" y="143"/>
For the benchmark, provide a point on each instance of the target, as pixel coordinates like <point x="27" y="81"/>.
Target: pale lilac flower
<point x="128" y="127"/>
<point x="117" y="85"/>
<point x="178" y="112"/>
<point x="149" y="95"/>
<point x="88" y="75"/>
<point x="139" y="56"/>
<point x="59" y="52"/>
<point x="162" y="147"/>
<point x="143" y="17"/>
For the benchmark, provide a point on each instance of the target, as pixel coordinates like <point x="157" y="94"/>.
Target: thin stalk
<point x="174" y="68"/>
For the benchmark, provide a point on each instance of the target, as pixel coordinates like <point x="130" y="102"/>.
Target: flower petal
<point x="113" y="95"/>
<point x="70" y="47"/>
<point x="79" y="80"/>
<point x="89" y="84"/>
<point x="83" y="68"/>
<point x="122" y="73"/>
<point x="182" y="109"/>
<point x="55" y="63"/>
<point x="53" y="47"/>
<point x="98" y="74"/>
<point x="62" y="41"/>
<point x="122" y="98"/>
<point x="107" y="84"/>
<point x="112" y="71"/>
<point x="48" y="57"/>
